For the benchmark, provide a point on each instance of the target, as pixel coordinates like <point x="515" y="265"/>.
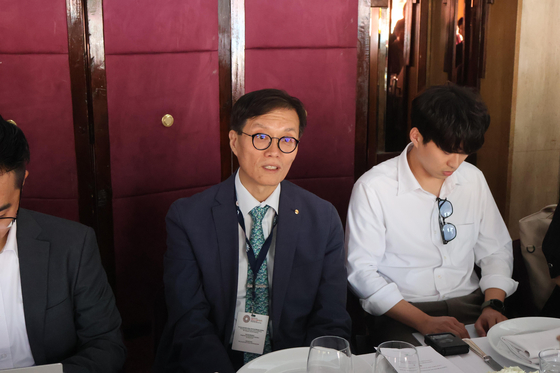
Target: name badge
<point x="250" y="333"/>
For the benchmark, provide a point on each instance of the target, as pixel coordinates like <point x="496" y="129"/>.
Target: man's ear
<point x="233" y="138"/>
<point x="416" y="137"/>
<point x="25" y="178"/>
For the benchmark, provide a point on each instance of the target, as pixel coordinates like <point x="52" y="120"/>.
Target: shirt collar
<point x="247" y="202"/>
<point x="11" y="242"/>
<point x="407" y="181"/>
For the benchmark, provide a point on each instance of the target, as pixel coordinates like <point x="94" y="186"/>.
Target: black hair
<point x="460" y="22"/>
<point x="14" y="151"/>
<point x="455" y="118"/>
<point x="262" y="102"/>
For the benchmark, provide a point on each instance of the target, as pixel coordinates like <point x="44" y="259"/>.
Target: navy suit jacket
<point x="69" y="308"/>
<point x="201" y="271"/>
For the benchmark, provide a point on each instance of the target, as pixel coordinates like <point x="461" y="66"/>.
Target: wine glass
<point x="549" y="361"/>
<point x="395" y="356"/>
<point x="329" y="354"/>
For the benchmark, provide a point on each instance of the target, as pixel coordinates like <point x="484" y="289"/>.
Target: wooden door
<point x="161" y="60"/>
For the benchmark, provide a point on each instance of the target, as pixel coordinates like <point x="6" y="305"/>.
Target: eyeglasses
<point x="448" y="230"/>
<point x="7" y="225"/>
<point x="4" y="225"/>
<point x="262" y="141"/>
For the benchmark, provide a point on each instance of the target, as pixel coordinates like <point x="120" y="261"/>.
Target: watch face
<point x="496" y="304"/>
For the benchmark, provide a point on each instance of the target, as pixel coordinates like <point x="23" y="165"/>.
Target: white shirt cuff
<point x="382" y="301"/>
<point x="507" y="284"/>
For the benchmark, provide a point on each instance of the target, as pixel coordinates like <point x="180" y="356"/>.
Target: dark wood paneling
<point x="91" y="132"/>
<point x="373" y="90"/>
<point x="449" y="11"/>
<point x="79" y="78"/>
<point x="382" y="157"/>
<point x="421" y="30"/>
<point x="408" y="21"/>
<point x="237" y="57"/>
<point x="362" y="88"/>
<point x="237" y="49"/>
<point x="224" y="55"/>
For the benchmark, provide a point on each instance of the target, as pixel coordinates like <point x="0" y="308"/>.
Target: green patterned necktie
<point x="259" y="305"/>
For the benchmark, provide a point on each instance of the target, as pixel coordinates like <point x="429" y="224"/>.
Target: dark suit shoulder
<point x="52" y="228"/>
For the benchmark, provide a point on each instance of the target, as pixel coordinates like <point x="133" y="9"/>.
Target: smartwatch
<point x="496" y="304"/>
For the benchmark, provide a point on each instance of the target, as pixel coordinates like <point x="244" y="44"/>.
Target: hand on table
<point x="487" y="319"/>
<point x="442" y="324"/>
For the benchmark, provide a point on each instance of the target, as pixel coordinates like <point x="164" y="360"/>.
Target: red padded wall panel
<point x="325" y="81"/>
<point x="36" y="94"/>
<point x="63" y="208"/>
<point x="335" y="190"/>
<point x="140" y="242"/>
<point x="33" y="26"/>
<point x="296" y="23"/>
<point x="309" y="49"/>
<point x="161" y="58"/>
<point x="147" y="157"/>
<point x="147" y="26"/>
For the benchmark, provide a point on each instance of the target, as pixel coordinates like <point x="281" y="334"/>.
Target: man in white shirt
<point x="220" y="314"/>
<point x="418" y="223"/>
<point x="56" y="305"/>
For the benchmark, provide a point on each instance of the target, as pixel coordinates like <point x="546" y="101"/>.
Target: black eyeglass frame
<point x="270" y="142"/>
<point x="17" y="212"/>
<point x="441" y="220"/>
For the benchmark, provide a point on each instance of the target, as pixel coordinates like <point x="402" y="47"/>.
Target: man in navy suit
<point x="216" y="244"/>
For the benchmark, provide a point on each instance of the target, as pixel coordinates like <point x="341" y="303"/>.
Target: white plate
<point x="522" y="325"/>
<point x="292" y="360"/>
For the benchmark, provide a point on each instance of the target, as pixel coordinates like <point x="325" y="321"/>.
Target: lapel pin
<point x="296" y="211"/>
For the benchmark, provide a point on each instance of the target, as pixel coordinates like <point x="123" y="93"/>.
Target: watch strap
<point x="495" y="304"/>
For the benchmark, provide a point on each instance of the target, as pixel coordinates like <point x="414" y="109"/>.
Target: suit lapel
<point x="286" y="242"/>
<point x="33" y="265"/>
<point x="225" y="224"/>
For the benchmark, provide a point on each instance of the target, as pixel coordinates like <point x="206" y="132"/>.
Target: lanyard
<point x="257" y="262"/>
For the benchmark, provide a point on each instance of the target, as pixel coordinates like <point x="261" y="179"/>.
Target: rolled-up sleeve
<point x="365" y="245"/>
<point x="493" y="249"/>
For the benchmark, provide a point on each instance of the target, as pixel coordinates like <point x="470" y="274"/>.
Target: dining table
<point x="467" y="363"/>
<point x="294" y="360"/>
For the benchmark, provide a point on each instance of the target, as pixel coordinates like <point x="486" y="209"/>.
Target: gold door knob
<point x="167" y="120"/>
<point x="11" y="121"/>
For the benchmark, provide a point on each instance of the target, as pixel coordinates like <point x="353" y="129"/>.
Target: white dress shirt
<point x="246" y="203"/>
<point x="15" y="351"/>
<point x="395" y="249"/>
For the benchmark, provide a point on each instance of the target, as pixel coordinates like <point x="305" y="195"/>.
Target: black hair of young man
<point x="14" y="151"/>
<point x="455" y="118"/>
<point x="254" y="104"/>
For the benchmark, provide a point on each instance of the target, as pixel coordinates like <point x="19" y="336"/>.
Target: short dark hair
<point x="455" y="118"/>
<point x="262" y="102"/>
<point x="14" y="151"/>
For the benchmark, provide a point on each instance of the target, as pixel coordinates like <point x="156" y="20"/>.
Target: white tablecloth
<point x="471" y="363"/>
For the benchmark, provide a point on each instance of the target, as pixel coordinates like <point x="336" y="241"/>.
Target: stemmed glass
<point x="329" y="354"/>
<point x="549" y="361"/>
<point x="396" y="356"/>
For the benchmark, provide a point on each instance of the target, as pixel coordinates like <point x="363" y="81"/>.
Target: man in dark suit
<point x="215" y="240"/>
<point x="55" y="303"/>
